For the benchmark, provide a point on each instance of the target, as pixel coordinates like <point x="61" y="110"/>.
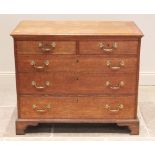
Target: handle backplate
<point x="41" y="110"/>
<point x="45" y="64"/>
<point x="115" y="87"/>
<point x="47" y="47"/>
<point x="121" y="64"/>
<point x="116" y="109"/>
<point x="108" y="49"/>
<point x="34" y="83"/>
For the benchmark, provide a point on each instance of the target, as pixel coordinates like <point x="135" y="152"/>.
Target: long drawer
<point x="73" y="63"/>
<point x="74" y="83"/>
<point x="77" y="107"/>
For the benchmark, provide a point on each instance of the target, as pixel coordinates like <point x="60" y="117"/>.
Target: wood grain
<point x="73" y="83"/>
<point x="57" y="63"/>
<point x="76" y="107"/>
<point x="76" y="63"/>
<point x="77" y="72"/>
<point x="32" y="47"/>
<point x="98" y="64"/>
<point x="93" y="47"/>
<point x="105" y="28"/>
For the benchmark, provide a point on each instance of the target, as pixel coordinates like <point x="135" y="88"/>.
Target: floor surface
<point x="146" y="113"/>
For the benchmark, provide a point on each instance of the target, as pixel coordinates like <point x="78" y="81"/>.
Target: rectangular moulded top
<point x="77" y="28"/>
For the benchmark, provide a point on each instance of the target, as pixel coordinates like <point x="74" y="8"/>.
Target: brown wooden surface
<point x="79" y="63"/>
<point x="32" y="47"/>
<point x="107" y="28"/>
<point x="98" y="64"/>
<point x="73" y="83"/>
<point x="76" y="107"/>
<point x="59" y="83"/>
<point x="57" y="63"/>
<point x="133" y="127"/>
<point x="132" y="124"/>
<point x="93" y="47"/>
<point x="96" y="83"/>
<point x="77" y="66"/>
<point x="137" y="77"/>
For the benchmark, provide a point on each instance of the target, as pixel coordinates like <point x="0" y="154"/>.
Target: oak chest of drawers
<point x="77" y="72"/>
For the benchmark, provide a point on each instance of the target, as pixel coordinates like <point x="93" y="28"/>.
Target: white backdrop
<point x="145" y="22"/>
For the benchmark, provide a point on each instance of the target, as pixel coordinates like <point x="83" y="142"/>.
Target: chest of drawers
<point x="77" y="72"/>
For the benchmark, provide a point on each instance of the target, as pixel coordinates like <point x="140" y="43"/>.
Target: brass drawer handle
<point x="41" y="110"/>
<point x="121" y="64"/>
<point x="45" y="64"/>
<point x="118" y="86"/>
<point x="47" y="83"/>
<point x="118" y="108"/>
<point x="108" y="50"/>
<point x="47" y="47"/>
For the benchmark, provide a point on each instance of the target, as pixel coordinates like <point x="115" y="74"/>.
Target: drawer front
<point x="49" y="83"/>
<point x="106" y="84"/>
<point x="72" y="63"/>
<point x="77" y="107"/>
<point x="46" y="47"/>
<point x="71" y="83"/>
<point x="108" y="47"/>
<point x="46" y="63"/>
<point x="101" y="64"/>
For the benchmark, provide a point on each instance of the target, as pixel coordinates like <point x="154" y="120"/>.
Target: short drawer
<point x="108" y="47"/>
<point x="33" y="107"/>
<point x="46" y="47"/>
<point x="71" y="83"/>
<point x="46" y="63"/>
